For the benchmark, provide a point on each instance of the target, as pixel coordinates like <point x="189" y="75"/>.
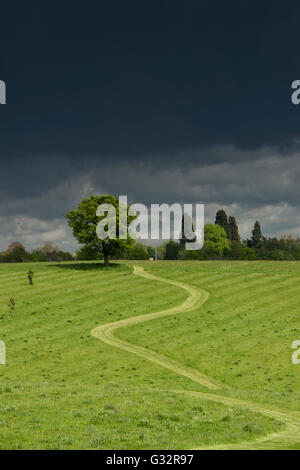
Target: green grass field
<point x="63" y="388"/>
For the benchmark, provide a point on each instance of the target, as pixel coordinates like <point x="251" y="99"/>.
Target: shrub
<point x="248" y="254"/>
<point x="171" y="250"/>
<point x="139" y="251"/>
<point x="86" y="253"/>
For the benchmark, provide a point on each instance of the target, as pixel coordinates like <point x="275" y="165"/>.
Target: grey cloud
<point x="34" y="232"/>
<point x="261" y="184"/>
<point x="254" y="178"/>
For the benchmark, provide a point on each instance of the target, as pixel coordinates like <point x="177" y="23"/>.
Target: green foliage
<point x="235" y="250"/>
<point x="84" y="221"/>
<point x="222" y="220"/>
<point x="194" y="255"/>
<point x="37" y="256"/>
<point x="296" y="253"/>
<point x="15" y="253"/>
<point x="280" y="255"/>
<point x="256" y="239"/>
<point x="88" y="253"/>
<point x="161" y="251"/>
<point x="248" y="254"/>
<point x="151" y="251"/>
<point x="49" y="252"/>
<point x="215" y="240"/>
<point x="233" y="231"/>
<point x="171" y="250"/>
<point x="139" y="251"/>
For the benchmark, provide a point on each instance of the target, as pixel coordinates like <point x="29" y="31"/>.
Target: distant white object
<point x="296" y="354"/>
<point x="151" y="259"/>
<point x="295" y="95"/>
<point x="2" y="353"/>
<point x="2" y="92"/>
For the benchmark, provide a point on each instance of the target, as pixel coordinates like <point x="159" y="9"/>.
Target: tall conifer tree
<point x="256" y="239"/>
<point x="233" y="230"/>
<point x="222" y="220"/>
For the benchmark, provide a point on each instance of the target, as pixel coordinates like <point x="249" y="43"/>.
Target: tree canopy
<point x="215" y="239"/>
<point x="256" y="240"/>
<point x="84" y="221"/>
<point x="233" y="231"/>
<point x="222" y="220"/>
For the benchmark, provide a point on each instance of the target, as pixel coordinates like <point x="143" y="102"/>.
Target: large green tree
<point x="257" y="238"/>
<point x="222" y="220"/>
<point x="233" y="231"/>
<point x="215" y="239"/>
<point x="15" y="253"/>
<point x="84" y="221"/>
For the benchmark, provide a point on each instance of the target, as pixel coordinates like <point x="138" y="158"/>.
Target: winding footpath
<point x="197" y="297"/>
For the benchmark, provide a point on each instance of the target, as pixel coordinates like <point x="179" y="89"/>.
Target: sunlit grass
<point x="62" y="388"/>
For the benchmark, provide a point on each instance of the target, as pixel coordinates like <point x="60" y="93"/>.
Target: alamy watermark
<point x="2" y="92"/>
<point x="296" y="354"/>
<point x="2" y="352"/>
<point x="159" y="222"/>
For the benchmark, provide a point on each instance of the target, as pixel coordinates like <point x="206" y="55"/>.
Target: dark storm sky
<point x="164" y="101"/>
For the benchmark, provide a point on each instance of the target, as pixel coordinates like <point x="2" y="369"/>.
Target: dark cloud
<point x="251" y="185"/>
<point x="161" y="101"/>
<point x="112" y="79"/>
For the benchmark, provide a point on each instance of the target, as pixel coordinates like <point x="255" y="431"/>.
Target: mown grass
<point x="242" y="336"/>
<point x="63" y="389"/>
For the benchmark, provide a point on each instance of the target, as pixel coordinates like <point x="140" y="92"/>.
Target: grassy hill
<point x="62" y="388"/>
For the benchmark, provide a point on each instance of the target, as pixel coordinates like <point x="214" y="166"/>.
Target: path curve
<point x="195" y="300"/>
<point x="197" y="297"/>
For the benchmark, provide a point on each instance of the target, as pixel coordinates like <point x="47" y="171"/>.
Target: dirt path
<point x="197" y="297"/>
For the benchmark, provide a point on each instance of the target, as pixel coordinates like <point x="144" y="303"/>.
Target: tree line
<point x="223" y="241"/>
<point x="16" y="253"/>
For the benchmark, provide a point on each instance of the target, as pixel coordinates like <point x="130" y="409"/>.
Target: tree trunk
<point x="106" y="262"/>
